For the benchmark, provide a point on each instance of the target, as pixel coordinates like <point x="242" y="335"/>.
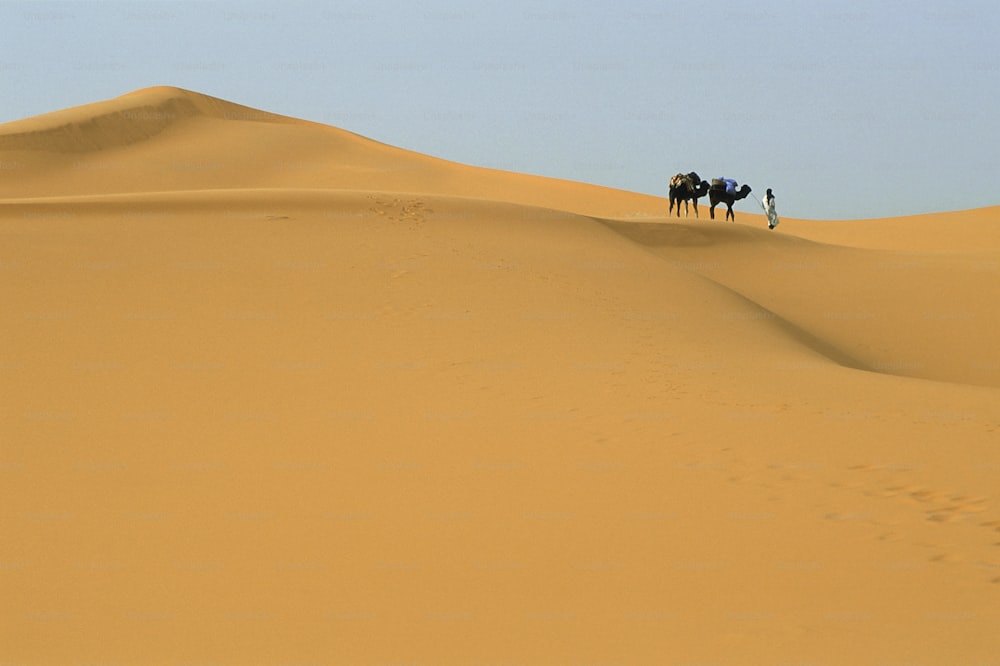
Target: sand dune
<point x="167" y="139"/>
<point x="275" y="392"/>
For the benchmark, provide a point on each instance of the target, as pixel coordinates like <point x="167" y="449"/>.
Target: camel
<point x="686" y="187"/>
<point x="717" y="194"/>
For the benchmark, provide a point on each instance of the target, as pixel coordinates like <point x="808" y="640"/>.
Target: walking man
<point x="772" y="214"/>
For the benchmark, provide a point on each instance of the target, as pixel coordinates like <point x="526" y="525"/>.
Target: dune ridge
<point x="274" y="392"/>
<point x="129" y="119"/>
<point x="215" y="144"/>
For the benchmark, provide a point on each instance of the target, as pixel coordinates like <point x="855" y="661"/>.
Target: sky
<point x="845" y="109"/>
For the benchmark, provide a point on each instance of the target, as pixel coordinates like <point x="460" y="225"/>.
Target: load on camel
<point x="686" y="187"/>
<point x="723" y="190"/>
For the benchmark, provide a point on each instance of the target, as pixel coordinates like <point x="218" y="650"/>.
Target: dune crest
<point x="122" y="121"/>
<point x="118" y="146"/>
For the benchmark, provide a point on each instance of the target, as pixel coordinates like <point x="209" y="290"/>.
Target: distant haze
<point x="846" y="109"/>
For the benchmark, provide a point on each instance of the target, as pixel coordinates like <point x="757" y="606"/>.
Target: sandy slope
<point x="276" y="393"/>
<point x="165" y="139"/>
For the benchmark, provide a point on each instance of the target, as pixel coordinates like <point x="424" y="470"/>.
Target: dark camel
<point x="686" y="187"/>
<point x="717" y="194"/>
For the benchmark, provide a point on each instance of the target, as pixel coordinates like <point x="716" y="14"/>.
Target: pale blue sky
<point x="846" y="109"/>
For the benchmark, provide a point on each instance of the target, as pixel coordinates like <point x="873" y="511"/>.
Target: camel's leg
<point x="696" y="208"/>
<point x="687" y="210"/>
<point x="730" y="214"/>
<point x="711" y="211"/>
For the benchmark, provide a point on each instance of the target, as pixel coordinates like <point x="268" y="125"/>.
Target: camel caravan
<point x="689" y="187"/>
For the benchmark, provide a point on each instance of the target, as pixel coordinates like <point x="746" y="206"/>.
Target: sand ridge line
<point x="307" y="197"/>
<point x="123" y="121"/>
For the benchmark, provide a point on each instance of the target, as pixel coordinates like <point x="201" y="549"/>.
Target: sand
<point x="275" y="393"/>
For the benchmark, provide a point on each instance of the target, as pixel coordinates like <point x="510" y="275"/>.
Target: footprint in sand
<point x="935" y="506"/>
<point x="946" y="507"/>
<point x="396" y="210"/>
<point x="961" y="507"/>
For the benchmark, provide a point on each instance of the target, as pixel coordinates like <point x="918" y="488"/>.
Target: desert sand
<point x="276" y="393"/>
